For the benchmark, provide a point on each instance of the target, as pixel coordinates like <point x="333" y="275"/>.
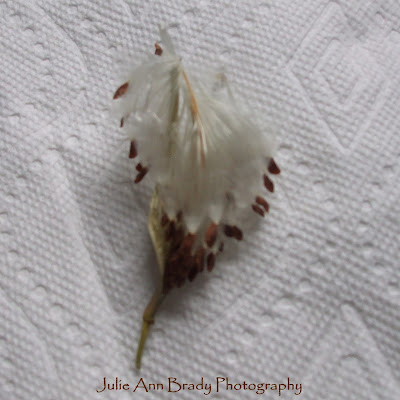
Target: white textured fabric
<point x="313" y="295"/>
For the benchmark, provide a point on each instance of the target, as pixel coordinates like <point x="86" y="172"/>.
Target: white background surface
<point x="314" y="294"/>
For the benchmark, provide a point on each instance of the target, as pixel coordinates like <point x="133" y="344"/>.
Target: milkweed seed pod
<point x="209" y="162"/>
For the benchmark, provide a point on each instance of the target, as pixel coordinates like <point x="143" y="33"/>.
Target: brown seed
<point x="186" y="264"/>
<point x="164" y="220"/>
<point x="233" y="231"/>
<point x="228" y="230"/>
<point x="187" y="243"/>
<point x="170" y="231"/>
<point x="273" y="167"/>
<point x="211" y="234"/>
<point x="171" y="264"/>
<point x="139" y="167"/>
<point x="229" y="197"/>
<point x="158" y="50"/>
<point x="121" y="124"/>
<point x="141" y="175"/>
<point x="210" y="261"/>
<point x="180" y="281"/>
<point x="132" y="150"/>
<point x="268" y="183"/>
<point x="237" y="233"/>
<point x="177" y="240"/>
<point x="121" y="90"/>
<point x="199" y="258"/>
<point x="167" y="286"/>
<point x="258" y="210"/>
<point x="262" y="202"/>
<point x="192" y="274"/>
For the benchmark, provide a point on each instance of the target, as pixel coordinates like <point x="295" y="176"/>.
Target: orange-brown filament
<point x="196" y="117"/>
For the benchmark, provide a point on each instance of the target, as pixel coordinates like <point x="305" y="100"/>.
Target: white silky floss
<point x="203" y="152"/>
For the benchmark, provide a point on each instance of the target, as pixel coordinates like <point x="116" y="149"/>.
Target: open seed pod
<point x="210" y="164"/>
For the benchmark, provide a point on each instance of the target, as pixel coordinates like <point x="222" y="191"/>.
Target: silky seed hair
<point x="205" y="155"/>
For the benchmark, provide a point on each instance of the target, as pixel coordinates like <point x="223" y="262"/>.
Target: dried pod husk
<point x="161" y="248"/>
<point x="180" y="257"/>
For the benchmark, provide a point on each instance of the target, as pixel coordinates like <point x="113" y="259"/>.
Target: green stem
<point x="148" y="319"/>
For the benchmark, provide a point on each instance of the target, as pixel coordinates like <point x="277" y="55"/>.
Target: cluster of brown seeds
<point x="261" y="205"/>
<point x="188" y="255"/>
<point x="142" y="171"/>
<point x="186" y="258"/>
